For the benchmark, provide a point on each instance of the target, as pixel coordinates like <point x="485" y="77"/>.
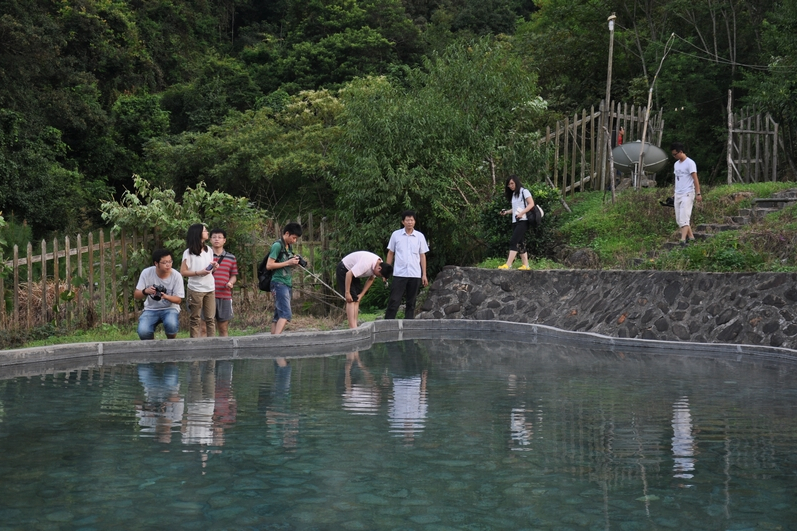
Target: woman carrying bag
<point x="521" y="211"/>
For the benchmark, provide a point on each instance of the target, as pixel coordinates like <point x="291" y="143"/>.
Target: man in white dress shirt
<point x="408" y="246"/>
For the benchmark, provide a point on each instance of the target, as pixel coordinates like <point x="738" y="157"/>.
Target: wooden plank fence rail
<point x="576" y="147"/>
<point x="89" y="279"/>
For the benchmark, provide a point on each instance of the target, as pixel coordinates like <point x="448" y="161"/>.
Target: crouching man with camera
<point x="162" y="289"/>
<point x="281" y="259"/>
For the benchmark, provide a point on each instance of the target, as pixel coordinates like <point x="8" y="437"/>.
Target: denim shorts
<point x="150" y="318"/>
<point x="282" y="301"/>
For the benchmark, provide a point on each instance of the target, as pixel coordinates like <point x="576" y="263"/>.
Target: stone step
<point x="741" y="220"/>
<point x="760" y="212"/>
<point x="716" y="227"/>
<point x="773" y="202"/>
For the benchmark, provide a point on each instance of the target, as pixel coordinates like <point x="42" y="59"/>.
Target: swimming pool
<point x="452" y="433"/>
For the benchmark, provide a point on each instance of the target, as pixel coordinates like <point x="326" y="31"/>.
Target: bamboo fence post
<point x="775" y="154"/>
<point x="102" y="277"/>
<point x="114" y="317"/>
<point x="565" y="152"/>
<point x="583" y="146"/>
<point x="592" y="168"/>
<point x="749" y="149"/>
<point x="15" y="265"/>
<point x="556" y="157"/>
<point x="56" y="283"/>
<point x="126" y="282"/>
<point x="3" y="316"/>
<point x="758" y="148"/>
<point x="573" y="153"/>
<point x="91" y="270"/>
<point x="68" y="279"/>
<point x="79" y="296"/>
<point x="29" y="306"/>
<point x="43" y="309"/>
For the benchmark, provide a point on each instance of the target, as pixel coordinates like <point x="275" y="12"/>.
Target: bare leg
<point x="222" y="327"/>
<point x="511" y="258"/>
<point x="352" y="310"/>
<point x="279" y="326"/>
<point x="525" y="259"/>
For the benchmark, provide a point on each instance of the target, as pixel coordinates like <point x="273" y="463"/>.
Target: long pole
<point x="640" y="166"/>
<point x="607" y="108"/>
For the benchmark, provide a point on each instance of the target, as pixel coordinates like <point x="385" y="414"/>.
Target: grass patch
<point x="536" y="264"/>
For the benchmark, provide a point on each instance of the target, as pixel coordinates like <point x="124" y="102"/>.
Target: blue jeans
<point x="150" y="318"/>
<point x="282" y="301"/>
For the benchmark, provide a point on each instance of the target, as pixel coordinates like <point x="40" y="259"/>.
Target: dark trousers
<point x="400" y="286"/>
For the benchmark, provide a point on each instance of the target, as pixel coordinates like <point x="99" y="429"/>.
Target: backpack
<point x="264" y="274"/>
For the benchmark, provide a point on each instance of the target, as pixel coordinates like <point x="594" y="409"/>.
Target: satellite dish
<point x="626" y="156"/>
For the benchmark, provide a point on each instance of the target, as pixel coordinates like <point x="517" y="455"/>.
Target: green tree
<point x="438" y="146"/>
<point x="280" y="159"/>
<point x="152" y="209"/>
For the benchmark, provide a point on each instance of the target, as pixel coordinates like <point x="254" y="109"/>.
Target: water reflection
<point x="275" y="404"/>
<point x="200" y="415"/>
<point x="683" y="441"/>
<point x="162" y="409"/>
<point x="447" y="442"/>
<point x="361" y="395"/>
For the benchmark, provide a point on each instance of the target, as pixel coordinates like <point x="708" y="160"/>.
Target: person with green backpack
<point x="280" y="260"/>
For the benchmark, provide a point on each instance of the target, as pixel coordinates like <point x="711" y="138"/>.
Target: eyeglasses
<point x="165" y="262"/>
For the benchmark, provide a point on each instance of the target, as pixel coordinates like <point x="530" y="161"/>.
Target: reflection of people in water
<point x="199" y="403"/>
<point x="521" y="429"/>
<point x="162" y="408"/>
<point x="683" y="441"/>
<point x="275" y="404"/>
<point x="361" y="395"/>
<point x="407" y="407"/>
<point x="225" y="407"/>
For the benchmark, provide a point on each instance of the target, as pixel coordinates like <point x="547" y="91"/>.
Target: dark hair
<point x="386" y="270"/>
<point x="509" y="193"/>
<point x="408" y="214"/>
<point x="293" y="229"/>
<point x="219" y="231"/>
<point x="677" y="147"/>
<point x="194" y="239"/>
<point x="158" y="255"/>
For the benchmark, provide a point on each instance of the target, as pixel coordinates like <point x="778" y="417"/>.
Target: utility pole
<point x="608" y="106"/>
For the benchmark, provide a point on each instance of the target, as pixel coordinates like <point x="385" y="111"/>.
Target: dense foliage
<point x="356" y="109"/>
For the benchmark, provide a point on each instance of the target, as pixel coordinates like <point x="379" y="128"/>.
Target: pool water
<point x="424" y="435"/>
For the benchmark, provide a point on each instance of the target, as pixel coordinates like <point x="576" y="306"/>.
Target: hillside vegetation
<point x="637" y="232"/>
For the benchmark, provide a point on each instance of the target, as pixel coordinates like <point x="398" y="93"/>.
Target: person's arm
<point x="389" y="258"/>
<point x="273" y="264"/>
<point x="698" y="195"/>
<point x="347" y="294"/>
<point x="232" y="281"/>
<point x="365" y="288"/>
<point x="529" y="205"/>
<point x="185" y="272"/>
<point x="424" y="280"/>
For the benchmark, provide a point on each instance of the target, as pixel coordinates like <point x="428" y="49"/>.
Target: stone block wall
<point x="742" y="308"/>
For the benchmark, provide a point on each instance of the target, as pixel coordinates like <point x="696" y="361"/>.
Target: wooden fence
<point x="577" y="147"/>
<point x="752" y="146"/>
<point x="86" y="280"/>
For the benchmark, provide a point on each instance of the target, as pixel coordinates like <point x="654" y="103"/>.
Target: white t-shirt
<point x="684" y="183"/>
<point x="173" y="284"/>
<point x="408" y="249"/>
<point x="360" y="263"/>
<point x="204" y="283"/>
<point x="519" y="201"/>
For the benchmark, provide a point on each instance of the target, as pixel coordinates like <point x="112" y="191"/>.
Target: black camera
<point x="302" y="261"/>
<point x="160" y="291"/>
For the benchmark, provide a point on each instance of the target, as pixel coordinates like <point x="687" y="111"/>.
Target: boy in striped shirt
<point x="225" y="276"/>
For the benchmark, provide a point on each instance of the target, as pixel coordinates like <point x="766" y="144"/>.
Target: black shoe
<point x="682" y="243"/>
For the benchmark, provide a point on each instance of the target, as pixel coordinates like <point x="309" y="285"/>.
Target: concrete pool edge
<point x="38" y="360"/>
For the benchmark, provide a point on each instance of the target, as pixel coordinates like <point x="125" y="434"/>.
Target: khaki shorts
<point x="223" y="310"/>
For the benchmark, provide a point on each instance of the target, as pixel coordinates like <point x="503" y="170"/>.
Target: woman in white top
<point x="198" y="267"/>
<point x="522" y="203"/>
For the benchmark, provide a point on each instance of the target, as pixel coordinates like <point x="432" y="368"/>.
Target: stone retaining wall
<point x="742" y="308"/>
